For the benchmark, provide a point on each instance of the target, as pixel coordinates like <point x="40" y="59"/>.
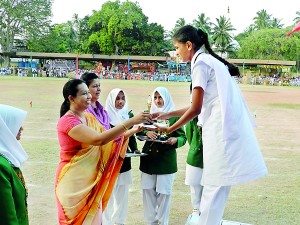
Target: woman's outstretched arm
<point x="84" y="134"/>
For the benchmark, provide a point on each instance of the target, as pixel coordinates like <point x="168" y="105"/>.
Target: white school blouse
<point x="230" y="150"/>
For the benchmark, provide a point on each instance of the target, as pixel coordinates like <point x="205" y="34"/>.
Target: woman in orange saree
<point x="90" y="158"/>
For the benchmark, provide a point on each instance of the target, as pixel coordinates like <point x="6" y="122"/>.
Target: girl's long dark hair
<point x="199" y="38"/>
<point x="70" y="88"/>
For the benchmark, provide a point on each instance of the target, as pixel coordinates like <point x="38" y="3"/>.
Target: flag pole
<point x="128" y="63"/>
<point x="77" y="75"/>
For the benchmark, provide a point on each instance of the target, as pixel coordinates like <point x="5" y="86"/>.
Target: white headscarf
<point x="117" y="116"/>
<point x="168" y="102"/>
<point x="11" y="119"/>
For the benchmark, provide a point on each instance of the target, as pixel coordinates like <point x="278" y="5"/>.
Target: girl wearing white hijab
<point x="13" y="193"/>
<point x="159" y="166"/>
<point x="117" y="207"/>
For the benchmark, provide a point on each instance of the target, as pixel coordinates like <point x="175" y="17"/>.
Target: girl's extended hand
<point x="159" y="116"/>
<point x="161" y="128"/>
<point x="151" y="134"/>
<point x="137" y="128"/>
<point x="171" y="141"/>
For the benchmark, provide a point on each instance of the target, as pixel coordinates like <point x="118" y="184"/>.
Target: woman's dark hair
<point x="70" y="88"/>
<point x="199" y="38"/>
<point x="88" y="77"/>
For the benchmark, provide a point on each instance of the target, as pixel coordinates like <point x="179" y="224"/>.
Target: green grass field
<point x="273" y="200"/>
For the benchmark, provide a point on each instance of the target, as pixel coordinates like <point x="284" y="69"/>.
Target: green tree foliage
<point x="153" y="42"/>
<point x="265" y="39"/>
<point x="203" y="22"/>
<point x="122" y="28"/>
<point x="245" y="34"/>
<point x="59" y="38"/>
<point x="68" y="37"/>
<point x="276" y="23"/>
<point x="51" y="41"/>
<point x="270" y="44"/>
<point x="84" y="32"/>
<point x="262" y="20"/>
<point x="23" y="19"/>
<point x="297" y="18"/>
<point x="179" y="23"/>
<point x="222" y="35"/>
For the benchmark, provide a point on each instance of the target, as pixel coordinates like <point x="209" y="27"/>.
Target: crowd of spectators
<point x="275" y="81"/>
<point x="59" y="68"/>
<point x="152" y="76"/>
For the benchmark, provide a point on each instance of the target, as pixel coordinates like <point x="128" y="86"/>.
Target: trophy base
<point x="163" y="138"/>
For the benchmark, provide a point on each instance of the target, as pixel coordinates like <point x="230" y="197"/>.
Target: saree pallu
<point x="85" y="183"/>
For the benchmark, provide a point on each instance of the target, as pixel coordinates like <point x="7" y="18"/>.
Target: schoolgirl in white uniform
<point x="158" y="168"/>
<point x="194" y="167"/>
<point x="231" y="154"/>
<point x="117" y="207"/>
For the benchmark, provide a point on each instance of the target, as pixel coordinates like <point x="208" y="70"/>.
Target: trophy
<point x="149" y="101"/>
<point x="163" y="135"/>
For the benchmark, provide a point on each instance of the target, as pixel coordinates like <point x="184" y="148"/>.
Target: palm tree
<point x="76" y="21"/>
<point x="297" y="18"/>
<point x="276" y="23"/>
<point x="262" y="20"/>
<point x="179" y="23"/>
<point x="71" y="36"/>
<point x="221" y="34"/>
<point x="203" y="22"/>
<point x="228" y="48"/>
<point x="250" y="29"/>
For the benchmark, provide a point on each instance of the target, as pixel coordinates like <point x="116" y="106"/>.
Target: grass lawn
<point x="273" y="200"/>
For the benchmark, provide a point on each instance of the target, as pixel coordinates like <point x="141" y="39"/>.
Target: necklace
<point x="82" y="119"/>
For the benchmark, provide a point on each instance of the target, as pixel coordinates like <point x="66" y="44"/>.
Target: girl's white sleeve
<point x="200" y="75"/>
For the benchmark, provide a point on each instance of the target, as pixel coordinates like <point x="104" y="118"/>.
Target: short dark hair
<point x="88" y="77"/>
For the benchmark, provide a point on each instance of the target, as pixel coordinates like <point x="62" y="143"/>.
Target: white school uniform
<point x="230" y="150"/>
<point x="157" y="188"/>
<point x="117" y="206"/>
<point x="193" y="177"/>
<point x="231" y="154"/>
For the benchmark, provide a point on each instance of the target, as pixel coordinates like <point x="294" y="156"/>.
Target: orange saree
<point x="85" y="182"/>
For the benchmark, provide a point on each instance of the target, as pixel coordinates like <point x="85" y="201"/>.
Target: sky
<point x="166" y="12"/>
